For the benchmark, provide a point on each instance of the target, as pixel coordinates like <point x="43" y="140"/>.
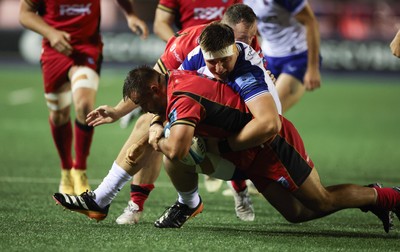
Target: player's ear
<point x="155" y="88"/>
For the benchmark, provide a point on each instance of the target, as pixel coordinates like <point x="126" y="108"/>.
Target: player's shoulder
<point x="247" y="53"/>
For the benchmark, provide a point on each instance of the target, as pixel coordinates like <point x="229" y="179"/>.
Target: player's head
<point x="146" y="88"/>
<point x="217" y="43"/>
<point x="242" y="19"/>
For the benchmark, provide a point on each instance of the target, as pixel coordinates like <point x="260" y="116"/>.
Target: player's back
<point x="179" y="46"/>
<point x="222" y="111"/>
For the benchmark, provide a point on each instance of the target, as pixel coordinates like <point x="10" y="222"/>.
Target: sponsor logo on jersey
<point x="176" y="55"/>
<point x="209" y="13"/>
<point x="283" y="182"/>
<point x="75" y="9"/>
<point x="90" y="60"/>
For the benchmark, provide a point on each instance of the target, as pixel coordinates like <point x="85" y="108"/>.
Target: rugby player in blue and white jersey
<point x="243" y="69"/>
<point x="290" y="43"/>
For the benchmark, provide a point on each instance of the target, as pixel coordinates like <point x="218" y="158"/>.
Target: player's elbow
<point x="160" y="31"/>
<point x="22" y="19"/>
<point x="271" y="127"/>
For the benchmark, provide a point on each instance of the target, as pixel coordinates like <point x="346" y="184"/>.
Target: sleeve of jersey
<point x="193" y="61"/>
<point x="185" y="111"/>
<point x="249" y="86"/>
<point x="168" y="6"/>
<point x="293" y="6"/>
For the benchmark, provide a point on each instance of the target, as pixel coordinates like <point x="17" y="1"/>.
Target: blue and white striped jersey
<point x="282" y="35"/>
<point x="248" y="78"/>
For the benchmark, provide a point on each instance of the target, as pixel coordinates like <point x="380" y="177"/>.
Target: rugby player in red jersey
<point x="71" y="60"/>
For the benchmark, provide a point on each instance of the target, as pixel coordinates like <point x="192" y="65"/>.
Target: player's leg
<point x="143" y="181"/>
<point x="189" y="204"/>
<point x="97" y="202"/>
<point x="312" y="200"/>
<point x="84" y="85"/>
<point x="290" y="90"/>
<point x="290" y="73"/>
<point x="243" y="204"/>
<point x="57" y="91"/>
<point x="324" y="201"/>
<point x="58" y="103"/>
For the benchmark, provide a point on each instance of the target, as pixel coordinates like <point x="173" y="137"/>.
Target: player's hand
<point x="395" y="45"/>
<point x="271" y="76"/>
<point x="101" y="115"/>
<point x="138" y="26"/>
<point x="312" y="80"/>
<point x="155" y="134"/>
<point x="59" y="40"/>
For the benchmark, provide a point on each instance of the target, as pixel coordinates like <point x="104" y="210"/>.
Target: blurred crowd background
<point x="355" y="35"/>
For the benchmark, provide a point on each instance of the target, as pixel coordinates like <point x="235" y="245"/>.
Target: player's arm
<point x="107" y="114"/>
<point x="265" y="124"/>
<point x="137" y="25"/>
<point x="163" y="23"/>
<point x="177" y="145"/>
<point x="312" y="78"/>
<point x="395" y="45"/>
<point x="29" y="18"/>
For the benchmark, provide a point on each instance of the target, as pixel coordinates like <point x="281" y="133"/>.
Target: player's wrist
<point x="157" y="120"/>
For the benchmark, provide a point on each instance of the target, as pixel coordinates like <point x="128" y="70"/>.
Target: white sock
<point x="191" y="199"/>
<point x="111" y="185"/>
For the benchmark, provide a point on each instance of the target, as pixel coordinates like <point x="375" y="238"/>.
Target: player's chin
<point x="220" y="77"/>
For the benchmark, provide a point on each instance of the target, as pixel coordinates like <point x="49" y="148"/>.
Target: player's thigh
<point x="284" y="202"/>
<point x="288" y="85"/>
<point x="312" y="193"/>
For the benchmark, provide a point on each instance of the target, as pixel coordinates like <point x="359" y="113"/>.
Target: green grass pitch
<point x="350" y="128"/>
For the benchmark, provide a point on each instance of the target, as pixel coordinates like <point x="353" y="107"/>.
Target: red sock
<point x="83" y="141"/>
<point x="239" y="185"/>
<point x="140" y="193"/>
<point x="62" y="137"/>
<point x="388" y="198"/>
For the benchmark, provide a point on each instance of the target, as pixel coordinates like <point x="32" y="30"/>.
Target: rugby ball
<point x="197" y="152"/>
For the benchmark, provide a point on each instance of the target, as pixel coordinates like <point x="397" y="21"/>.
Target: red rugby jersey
<point x="80" y="18"/>
<point x="210" y="106"/>
<point x="184" y="41"/>
<point x="194" y="12"/>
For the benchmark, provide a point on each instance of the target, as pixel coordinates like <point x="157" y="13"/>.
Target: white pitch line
<point x="21" y="96"/>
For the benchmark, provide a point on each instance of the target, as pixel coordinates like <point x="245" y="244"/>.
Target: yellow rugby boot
<point x="66" y="182"/>
<point x="81" y="183"/>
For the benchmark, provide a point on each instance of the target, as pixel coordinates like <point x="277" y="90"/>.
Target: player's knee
<point x="84" y="77"/>
<point x="59" y="117"/>
<point x="293" y="218"/>
<point x="82" y="108"/>
<point x="295" y="214"/>
<point x="58" y="105"/>
<point x="323" y="204"/>
<point x="143" y="122"/>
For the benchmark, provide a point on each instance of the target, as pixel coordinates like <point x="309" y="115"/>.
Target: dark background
<point x="355" y="35"/>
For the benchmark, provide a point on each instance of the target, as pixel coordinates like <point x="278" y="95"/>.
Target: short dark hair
<point x="138" y="80"/>
<point x="238" y="13"/>
<point x="216" y="36"/>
